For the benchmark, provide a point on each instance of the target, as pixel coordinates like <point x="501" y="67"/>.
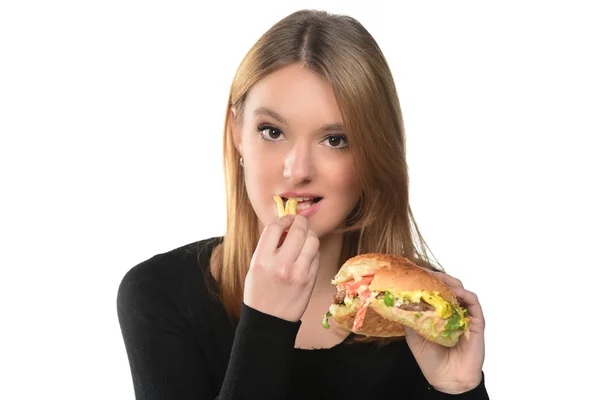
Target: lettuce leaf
<point x="388" y="299"/>
<point x="455" y="322"/>
<point x="325" y="321"/>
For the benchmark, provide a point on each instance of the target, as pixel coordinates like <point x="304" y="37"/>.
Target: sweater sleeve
<point x="261" y="357"/>
<point x="168" y="362"/>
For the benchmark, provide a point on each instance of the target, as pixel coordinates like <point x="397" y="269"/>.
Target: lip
<point x="298" y="194"/>
<point x="311" y="210"/>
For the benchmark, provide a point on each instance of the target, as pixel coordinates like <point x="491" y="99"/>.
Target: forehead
<point x="296" y="93"/>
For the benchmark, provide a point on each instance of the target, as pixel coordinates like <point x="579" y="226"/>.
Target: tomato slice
<point x="352" y="287"/>
<point x="352" y="290"/>
<point x="362" y="310"/>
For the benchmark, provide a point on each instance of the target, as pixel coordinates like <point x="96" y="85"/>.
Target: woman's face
<point x="293" y="143"/>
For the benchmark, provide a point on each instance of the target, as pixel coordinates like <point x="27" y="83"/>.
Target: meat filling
<point x="339" y="297"/>
<point x="421" y="306"/>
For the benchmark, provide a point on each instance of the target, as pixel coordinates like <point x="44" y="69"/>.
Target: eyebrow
<point x="273" y="114"/>
<point x="268" y="112"/>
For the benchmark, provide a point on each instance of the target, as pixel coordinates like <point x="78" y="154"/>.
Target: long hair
<point x="339" y="48"/>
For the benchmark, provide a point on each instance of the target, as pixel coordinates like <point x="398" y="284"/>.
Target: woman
<point x="313" y="114"/>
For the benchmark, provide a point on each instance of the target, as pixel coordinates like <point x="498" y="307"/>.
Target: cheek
<point x="262" y="174"/>
<point x="264" y="168"/>
<point x="343" y="178"/>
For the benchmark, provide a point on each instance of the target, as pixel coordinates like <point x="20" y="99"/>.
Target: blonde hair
<point x="342" y="50"/>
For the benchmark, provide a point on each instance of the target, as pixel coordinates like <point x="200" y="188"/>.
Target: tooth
<point x="301" y="199"/>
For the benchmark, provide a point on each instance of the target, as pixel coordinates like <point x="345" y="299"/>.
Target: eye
<point x="268" y="132"/>
<point x="337" y="142"/>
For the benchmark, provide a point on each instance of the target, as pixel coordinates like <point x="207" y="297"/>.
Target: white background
<point x="111" y="116"/>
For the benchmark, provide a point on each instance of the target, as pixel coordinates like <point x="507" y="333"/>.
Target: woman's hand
<point x="280" y="280"/>
<point x="453" y="369"/>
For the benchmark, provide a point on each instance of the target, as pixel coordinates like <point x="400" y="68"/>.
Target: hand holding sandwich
<point x="281" y="279"/>
<point x="385" y="295"/>
<point x="454" y="369"/>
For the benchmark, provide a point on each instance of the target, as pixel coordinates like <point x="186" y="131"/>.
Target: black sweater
<point x="181" y="345"/>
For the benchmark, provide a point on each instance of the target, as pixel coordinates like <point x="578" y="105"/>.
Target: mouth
<point x="304" y="203"/>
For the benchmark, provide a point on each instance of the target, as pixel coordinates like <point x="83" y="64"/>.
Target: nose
<point x="299" y="164"/>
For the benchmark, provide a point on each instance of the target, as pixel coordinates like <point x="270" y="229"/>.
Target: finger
<point x="272" y="233"/>
<point x="295" y="239"/>
<point x="314" y="265"/>
<point x="448" y="279"/>
<point x="470" y="301"/>
<point x="421" y="347"/>
<point x="282" y="238"/>
<point x="308" y="255"/>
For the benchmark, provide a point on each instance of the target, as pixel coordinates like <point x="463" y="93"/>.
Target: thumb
<point x="409" y="332"/>
<point x="413" y="339"/>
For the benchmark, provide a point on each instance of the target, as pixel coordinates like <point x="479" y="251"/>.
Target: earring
<point x="241" y="162"/>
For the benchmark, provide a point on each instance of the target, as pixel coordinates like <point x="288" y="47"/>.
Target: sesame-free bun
<point x="402" y="275"/>
<point x="427" y="324"/>
<point x="361" y="265"/>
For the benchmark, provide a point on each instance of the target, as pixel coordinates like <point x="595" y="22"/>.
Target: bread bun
<point x="402" y="275"/>
<point x="396" y="293"/>
<point x="427" y="324"/>
<point x="361" y="265"/>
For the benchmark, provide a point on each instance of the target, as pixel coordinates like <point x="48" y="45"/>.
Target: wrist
<point x="458" y="387"/>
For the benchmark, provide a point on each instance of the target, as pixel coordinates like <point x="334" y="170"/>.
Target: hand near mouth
<point x="283" y="269"/>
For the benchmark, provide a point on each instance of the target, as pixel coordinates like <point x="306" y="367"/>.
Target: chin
<point x="324" y="224"/>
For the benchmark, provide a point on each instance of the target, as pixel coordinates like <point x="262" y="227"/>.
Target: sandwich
<point x="379" y="294"/>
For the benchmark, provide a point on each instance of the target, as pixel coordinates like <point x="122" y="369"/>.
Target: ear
<point x="235" y="129"/>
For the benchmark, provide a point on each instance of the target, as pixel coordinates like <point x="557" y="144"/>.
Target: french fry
<point x="280" y="209"/>
<point x="290" y="206"/>
<point x="289" y="209"/>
